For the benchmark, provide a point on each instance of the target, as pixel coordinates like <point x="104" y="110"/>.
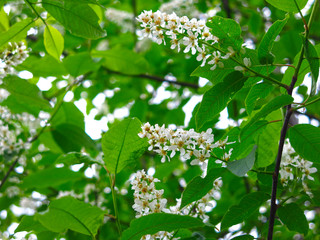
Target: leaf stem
<point x="115" y="206"/>
<point x="306" y="104"/>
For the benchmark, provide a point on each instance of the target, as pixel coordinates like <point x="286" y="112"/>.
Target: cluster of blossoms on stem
<point x="13" y="135"/>
<point x="294" y="167"/>
<point x="147" y="200"/>
<point x="193" y="34"/>
<point x="192" y="145"/>
<point x="13" y="55"/>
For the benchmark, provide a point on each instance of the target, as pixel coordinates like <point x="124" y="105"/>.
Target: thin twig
<point x="155" y="78"/>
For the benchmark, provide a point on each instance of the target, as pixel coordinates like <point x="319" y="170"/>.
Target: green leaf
<point x="68" y="113"/>
<point x="42" y="67"/>
<point x="193" y="192"/>
<point x="305" y="139"/>
<point x="53" y="42"/>
<point x="69" y="213"/>
<point x="268" y="140"/>
<point x="72" y="158"/>
<point x="50" y="177"/>
<point x="218" y="97"/>
<point x="293" y="217"/>
<point x="218" y="74"/>
<point x="313" y="60"/>
<point x="288" y="5"/>
<point x="80" y="64"/>
<point x="264" y="51"/>
<point x="28" y="223"/>
<point x="156" y="222"/>
<point x="242" y="166"/>
<point x="16" y="32"/>
<point x="247" y="206"/>
<point x="273" y="105"/>
<point x="258" y="91"/>
<point x="80" y="19"/>
<point x="243" y="237"/>
<point x="4" y="21"/>
<point x="71" y="138"/>
<point x="24" y="96"/>
<point x="227" y="30"/>
<point x="122" y="146"/>
<point x="123" y="60"/>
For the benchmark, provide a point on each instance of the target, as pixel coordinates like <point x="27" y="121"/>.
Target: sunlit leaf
<point x="53" y="41"/>
<point x="156" y="222"/>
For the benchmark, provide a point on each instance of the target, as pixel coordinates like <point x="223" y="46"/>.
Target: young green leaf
<point x="268" y="140"/>
<point x="72" y="158"/>
<point x="305" y="139"/>
<point x="43" y="66"/>
<point x="217" y="98"/>
<point x="247" y="206"/>
<point x="313" y="60"/>
<point x="156" y="222"/>
<point x="4" y="21"/>
<point x="79" y="18"/>
<point x="16" y="32"/>
<point x="288" y="5"/>
<point x="71" y="138"/>
<point x="80" y="64"/>
<point x="193" y="192"/>
<point x="258" y="91"/>
<point x="293" y="217"/>
<point x="53" y="42"/>
<point x="243" y="237"/>
<point x="50" y="177"/>
<point x="28" y="223"/>
<point x="122" y="146"/>
<point x="24" y="96"/>
<point x="227" y="30"/>
<point x="242" y="166"/>
<point x="273" y="105"/>
<point x="123" y="60"/>
<point x="70" y="213"/>
<point x="264" y="51"/>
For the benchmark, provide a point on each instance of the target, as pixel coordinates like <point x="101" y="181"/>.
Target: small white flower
<point x="216" y="61"/>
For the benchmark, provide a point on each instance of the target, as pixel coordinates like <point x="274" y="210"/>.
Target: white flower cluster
<point x="12" y="56"/>
<point x="12" y="129"/>
<point x="147" y="199"/>
<point x="122" y="18"/>
<point x="181" y="7"/>
<point x="191" y="145"/>
<point x="192" y="33"/>
<point x="294" y="167"/>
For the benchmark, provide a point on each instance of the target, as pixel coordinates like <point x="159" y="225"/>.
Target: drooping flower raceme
<point x="193" y="146"/>
<point x="12" y="56"/>
<point x="293" y="167"/>
<point x="180" y="30"/>
<point x="147" y="200"/>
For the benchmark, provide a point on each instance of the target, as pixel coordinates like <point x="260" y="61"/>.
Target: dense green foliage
<point x="68" y="67"/>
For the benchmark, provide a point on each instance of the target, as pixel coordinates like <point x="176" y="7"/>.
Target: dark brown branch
<point x="226" y="7"/>
<point x="9" y="171"/>
<point x="155" y="78"/>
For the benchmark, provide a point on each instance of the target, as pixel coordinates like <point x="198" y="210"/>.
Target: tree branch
<point x="155" y="78"/>
<point x="284" y="129"/>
